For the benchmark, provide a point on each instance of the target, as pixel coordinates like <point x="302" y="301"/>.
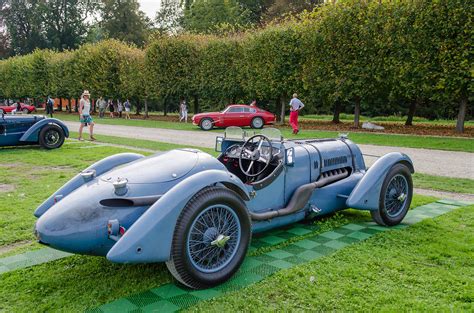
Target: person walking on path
<point x="119" y="108"/>
<point x="110" y="106"/>
<point x="183" y="111"/>
<point x="49" y="106"/>
<point x="85" y="116"/>
<point x="102" y="106"/>
<point x="295" y="106"/>
<point x="127" y="107"/>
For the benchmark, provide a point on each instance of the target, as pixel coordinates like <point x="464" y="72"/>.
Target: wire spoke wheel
<point x="213" y="238"/>
<point x="396" y="195"/>
<point x="52" y="137"/>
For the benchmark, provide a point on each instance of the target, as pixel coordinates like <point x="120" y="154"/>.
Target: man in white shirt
<point x="295" y="106"/>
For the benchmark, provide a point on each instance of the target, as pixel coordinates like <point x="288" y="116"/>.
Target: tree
<point x="173" y="65"/>
<point x="271" y="65"/>
<point x="207" y="16"/>
<point x="169" y="18"/>
<point x="123" y="20"/>
<point x="218" y="79"/>
<point x="23" y="19"/>
<point x="65" y="22"/>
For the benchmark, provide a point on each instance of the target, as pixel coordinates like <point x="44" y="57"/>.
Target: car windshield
<point x="234" y="132"/>
<point x="272" y="133"/>
<point x="226" y="108"/>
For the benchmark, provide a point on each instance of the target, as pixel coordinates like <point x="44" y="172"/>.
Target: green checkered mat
<point x="170" y="297"/>
<point x="30" y="258"/>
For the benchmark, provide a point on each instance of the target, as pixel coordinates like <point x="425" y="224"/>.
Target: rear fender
<point x="32" y="133"/>
<point x="366" y="193"/>
<point x="77" y="181"/>
<point x="149" y="239"/>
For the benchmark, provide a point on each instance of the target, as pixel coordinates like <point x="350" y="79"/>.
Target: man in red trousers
<point x="295" y="106"/>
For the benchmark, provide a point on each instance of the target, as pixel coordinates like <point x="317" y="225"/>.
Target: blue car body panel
<point x="366" y="194"/>
<point x="31" y="135"/>
<point x="150" y="237"/>
<point x="147" y="195"/>
<point x="77" y="181"/>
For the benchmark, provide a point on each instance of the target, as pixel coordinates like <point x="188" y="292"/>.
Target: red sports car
<point x="25" y="109"/>
<point x="235" y="115"/>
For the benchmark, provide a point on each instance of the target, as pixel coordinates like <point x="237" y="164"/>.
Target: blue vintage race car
<point x="197" y="213"/>
<point x="18" y="130"/>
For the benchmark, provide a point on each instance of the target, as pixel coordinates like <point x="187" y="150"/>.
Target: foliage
<point x="124" y="21"/>
<point x="271" y="64"/>
<point x="205" y="16"/>
<point x="375" y="57"/>
<point x="217" y="71"/>
<point x="173" y="64"/>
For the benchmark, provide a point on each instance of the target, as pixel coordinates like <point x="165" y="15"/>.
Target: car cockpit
<point x="255" y="158"/>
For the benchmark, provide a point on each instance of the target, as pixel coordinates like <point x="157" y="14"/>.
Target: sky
<point x="149" y="7"/>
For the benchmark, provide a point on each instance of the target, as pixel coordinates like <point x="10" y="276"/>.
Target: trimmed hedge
<point x="378" y="57"/>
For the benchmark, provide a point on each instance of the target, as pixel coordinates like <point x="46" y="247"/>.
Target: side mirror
<point x="218" y="146"/>
<point x="290" y="157"/>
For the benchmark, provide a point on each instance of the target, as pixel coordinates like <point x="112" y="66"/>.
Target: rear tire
<point x="205" y="252"/>
<point x="1" y="111"/>
<point x="395" y="196"/>
<point x="25" y="111"/>
<point x="206" y="124"/>
<point x="51" y="137"/>
<point x="257" y="122"/>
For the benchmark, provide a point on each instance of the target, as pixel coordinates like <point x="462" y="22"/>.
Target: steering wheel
<point x="254" y="154"/>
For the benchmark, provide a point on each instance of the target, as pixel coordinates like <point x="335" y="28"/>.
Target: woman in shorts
<point x="85" y="115"/>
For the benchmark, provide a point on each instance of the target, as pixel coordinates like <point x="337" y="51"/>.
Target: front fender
<point x="366" y="193"/>
<point x="77" y="181"/>
<point x="32" y="133"/>
<point x="149" y="239"/>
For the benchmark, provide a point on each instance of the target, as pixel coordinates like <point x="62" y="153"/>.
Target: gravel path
<point x="433" y="162"/>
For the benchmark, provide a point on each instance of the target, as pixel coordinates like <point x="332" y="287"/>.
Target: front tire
<point x="206" y="124"/>
<point x="51" y="137"/>
<point x="25" y="111"/>
<point x="395" y="196"/>
<point x="257" y="122"/>
<point x="1" y="111"/>
<point x="211" y="238"/>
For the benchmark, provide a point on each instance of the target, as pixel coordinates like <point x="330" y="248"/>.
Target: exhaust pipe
<point x="301" y="196"/>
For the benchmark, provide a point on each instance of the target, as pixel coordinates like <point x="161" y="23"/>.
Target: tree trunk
<point x="165" y="106"/>
<point x="146" y="108"/>
<point x="282" y="109"/>
<point x="461" y="115"/>
<point x="69" y="105"/>
<point x="76" y="106"/>
<point x="60" y="106"/>
<point x="337" y="112"/>
<point x="411" y="112"/>
<point x="196" y="104"/>
<point x="93" y="102"/>
<point x="357" y="112"/>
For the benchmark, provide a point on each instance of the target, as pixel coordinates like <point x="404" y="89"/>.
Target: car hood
<point x="23" y="118"/>
<point x="164" y="167"/>
<point x="207" y="114"/>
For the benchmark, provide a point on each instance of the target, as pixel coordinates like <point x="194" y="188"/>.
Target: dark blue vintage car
<point x="17" y="130"/>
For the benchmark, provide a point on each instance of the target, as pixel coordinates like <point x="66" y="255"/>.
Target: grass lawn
<point x="391" y="118"/>
<point x="426" y="267"/>
<point x="411" y="141"/>
<point x="461" y="185"/>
